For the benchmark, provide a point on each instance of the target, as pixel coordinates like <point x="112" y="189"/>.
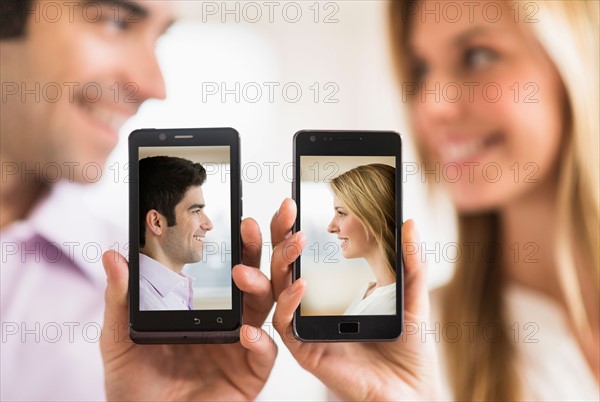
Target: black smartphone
<point x="348" y="189"/>
<point x="185" y="209"/>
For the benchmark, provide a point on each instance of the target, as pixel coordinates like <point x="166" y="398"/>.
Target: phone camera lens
<point x="162" y="136"/>
<point x="313" y="138"/>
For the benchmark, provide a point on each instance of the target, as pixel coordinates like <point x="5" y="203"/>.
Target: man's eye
<point x="479" y="57"/>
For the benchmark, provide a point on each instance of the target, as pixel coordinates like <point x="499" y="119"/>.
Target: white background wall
<point x="202" y="51"/>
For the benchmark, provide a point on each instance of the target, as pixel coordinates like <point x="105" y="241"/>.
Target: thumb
<point x="416" y="294"/>
<point x="116" y="315"/>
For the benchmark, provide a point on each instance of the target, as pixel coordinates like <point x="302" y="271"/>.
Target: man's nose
<point x="144" y="77"/>
<point x="206" y="224"/>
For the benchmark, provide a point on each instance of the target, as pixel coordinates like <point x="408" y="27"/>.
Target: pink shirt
<point x="52" y="300"/>
<point x="163" y="289"/>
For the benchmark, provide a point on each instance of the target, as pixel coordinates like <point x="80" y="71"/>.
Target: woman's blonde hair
<point x="482" y="370"/>
<point x="369" y="193"/>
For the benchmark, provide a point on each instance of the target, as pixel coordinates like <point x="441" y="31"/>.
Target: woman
<point x="545" y="225"/>
<point x="365" y="221"/>
<point x="507" y="94"/>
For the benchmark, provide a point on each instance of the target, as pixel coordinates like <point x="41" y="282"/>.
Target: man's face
<point x="89" y="71"/>
<point x="184" y="242"/>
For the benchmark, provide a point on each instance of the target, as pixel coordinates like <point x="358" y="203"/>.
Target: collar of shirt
<point x="63" y="219"/>
<point x="163" y="279"/>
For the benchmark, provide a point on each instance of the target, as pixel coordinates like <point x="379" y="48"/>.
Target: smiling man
<point x="172" y="229"/>
<point x="72" y="73"/>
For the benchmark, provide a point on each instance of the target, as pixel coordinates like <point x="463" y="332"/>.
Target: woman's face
<point x="488" y="104"/>
<point x="355" y="239"/>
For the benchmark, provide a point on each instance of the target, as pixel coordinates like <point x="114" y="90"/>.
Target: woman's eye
<point x="419" y="70"/>
<point x="479" y="57"/>
<point x="116" y="23"/>
<point x="116" y="18"/>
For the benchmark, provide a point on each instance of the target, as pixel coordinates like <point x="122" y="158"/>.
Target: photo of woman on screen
<point x="364" y="222"/>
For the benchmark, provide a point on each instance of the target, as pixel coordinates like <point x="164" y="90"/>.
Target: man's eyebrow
<point x="134" y="9"/>
<point x="196" y="206"/>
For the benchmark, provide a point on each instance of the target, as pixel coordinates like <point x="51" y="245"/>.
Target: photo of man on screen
<point x="172" y="229"/>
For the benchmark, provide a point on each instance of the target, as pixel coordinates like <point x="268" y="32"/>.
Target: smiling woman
<point x="365" y="222"/>
<point x="541" y="114"/>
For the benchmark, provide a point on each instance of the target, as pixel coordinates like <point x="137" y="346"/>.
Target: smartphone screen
<point x="185" y="228"/>
<point x="185" y="211"/>
<point x="348" y="191"/>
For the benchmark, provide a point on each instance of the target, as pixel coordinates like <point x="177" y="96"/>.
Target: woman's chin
<point x="478" y="202"/>
<point x="348" y="254"/>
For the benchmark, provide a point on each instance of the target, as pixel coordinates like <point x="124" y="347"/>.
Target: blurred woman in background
<point x="510" y="100"/>
<point x="503" y="101"/>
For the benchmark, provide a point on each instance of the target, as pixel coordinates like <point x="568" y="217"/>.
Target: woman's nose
<point x="442" y="99"/>
<point x="332" y="227"/>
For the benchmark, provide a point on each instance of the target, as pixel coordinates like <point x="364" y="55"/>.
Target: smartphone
<point x="348" y="190"/>
<point x="185" y="209"/>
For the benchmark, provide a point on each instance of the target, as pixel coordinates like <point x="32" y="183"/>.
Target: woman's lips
<point x="465" y="150"/>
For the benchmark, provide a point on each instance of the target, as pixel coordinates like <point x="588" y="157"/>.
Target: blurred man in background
<point x="72" y="74"/>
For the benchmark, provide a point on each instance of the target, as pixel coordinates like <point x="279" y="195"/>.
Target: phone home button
<point x="348" y="327"/>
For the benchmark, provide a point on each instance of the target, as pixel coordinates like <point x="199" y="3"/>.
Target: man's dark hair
<point x="163" y="183"/>
<point x="13" y="18"/>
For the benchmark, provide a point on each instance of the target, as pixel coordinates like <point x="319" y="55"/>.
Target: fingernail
<point x="250" y="273"/>
<point x="298" y="284"/>
<point x="417" y="235"/>
<point x="251" y="332"/>
<point x="280" y="208"/>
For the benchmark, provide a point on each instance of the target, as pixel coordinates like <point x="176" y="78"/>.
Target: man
<point x="172" y="229"/>
<point x="100" y="56"/>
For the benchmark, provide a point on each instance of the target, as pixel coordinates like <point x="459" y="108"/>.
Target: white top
<point x="550" y="363"/>
<point x="163" y="289"/>
<point x="382" y="301"/>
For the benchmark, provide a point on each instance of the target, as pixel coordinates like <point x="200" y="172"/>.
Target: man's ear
<point x="155" y="223"/>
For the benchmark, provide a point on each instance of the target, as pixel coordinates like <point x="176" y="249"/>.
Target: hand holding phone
<point x="404" y="369"/>
<point x="187" y="372"/>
